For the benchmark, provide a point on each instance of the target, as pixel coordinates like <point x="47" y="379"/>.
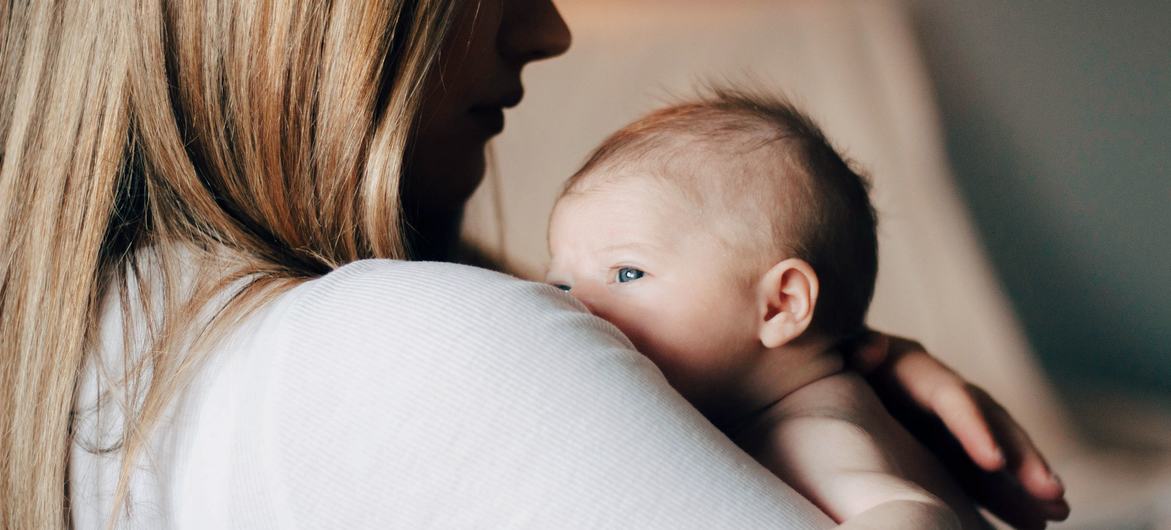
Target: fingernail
<point x="1058" y="511"/>
<point x="1057" y="480"/>
<point x="997" y="456"/>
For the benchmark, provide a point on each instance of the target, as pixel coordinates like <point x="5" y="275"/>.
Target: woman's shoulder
<point x="372" y="309"/>
<point x="417" y="282"/>
<point x="441" y="385"/>
<point x="433" y="298"/>
<point x="360" y="375"/>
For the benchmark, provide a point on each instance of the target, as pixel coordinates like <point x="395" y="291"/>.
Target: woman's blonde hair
<point x="270" y="132"/>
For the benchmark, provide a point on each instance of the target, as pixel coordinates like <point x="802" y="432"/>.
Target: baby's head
<point x="716" y="232"/>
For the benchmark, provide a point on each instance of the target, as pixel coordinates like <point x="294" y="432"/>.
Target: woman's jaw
<point x="477" y="78"/>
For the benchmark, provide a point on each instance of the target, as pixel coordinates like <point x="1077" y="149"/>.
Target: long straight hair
<point x="267" y="136"/>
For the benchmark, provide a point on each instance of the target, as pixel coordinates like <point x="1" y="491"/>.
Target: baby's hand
<point x="977" y="438"/>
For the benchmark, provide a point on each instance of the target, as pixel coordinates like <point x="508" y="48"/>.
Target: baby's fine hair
<point x="758" y="154"/>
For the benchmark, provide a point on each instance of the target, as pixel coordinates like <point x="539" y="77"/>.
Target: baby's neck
<point x="780" y="372"/>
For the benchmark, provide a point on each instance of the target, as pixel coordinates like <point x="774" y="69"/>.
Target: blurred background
<point x="1021" y="158"/>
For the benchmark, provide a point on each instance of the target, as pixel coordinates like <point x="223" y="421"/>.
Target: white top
<point x="427" y="395"/>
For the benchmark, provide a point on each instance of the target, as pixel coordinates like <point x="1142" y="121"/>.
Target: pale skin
<point x="736" y="341"/>
<point x="480" y="71"/>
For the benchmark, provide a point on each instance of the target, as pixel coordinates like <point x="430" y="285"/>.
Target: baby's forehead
<point x="742" y="180"/>
<point x="668" y="201"/>
<point x="736" y="166"/>
<point x="634" y="203"/>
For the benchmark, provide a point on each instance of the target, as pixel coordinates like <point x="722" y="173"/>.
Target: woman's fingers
<point x="1002" y="495"/>
<point x="1026" y="493"/>
<point x="868" y="351"/>
<point x="1024" y="460"/>
<point x="977" y="422"/>
<point x="994" y="456"/>
<point x="960" y="412"/>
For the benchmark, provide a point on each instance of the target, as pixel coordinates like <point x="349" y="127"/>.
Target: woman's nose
<point x="533" y="30"/>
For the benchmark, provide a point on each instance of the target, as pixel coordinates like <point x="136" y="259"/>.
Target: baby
<point x="735" y="248"/>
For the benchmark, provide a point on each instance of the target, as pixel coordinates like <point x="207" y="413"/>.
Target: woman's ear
<point x="787" y="294"/>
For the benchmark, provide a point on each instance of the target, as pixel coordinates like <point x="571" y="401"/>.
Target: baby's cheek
<point x="683" y="329"/>
<point x="651" y="328"/>
<point x="683" y="339"/>
<point x="711" y="333"/>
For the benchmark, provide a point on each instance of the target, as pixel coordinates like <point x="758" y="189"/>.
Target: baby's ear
<point x="786" y="297"/>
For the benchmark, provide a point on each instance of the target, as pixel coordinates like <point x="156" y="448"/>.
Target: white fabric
<point x="415" y="395"/>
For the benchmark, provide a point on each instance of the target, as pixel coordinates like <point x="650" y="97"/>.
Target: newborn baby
<point x="736" y="249"/>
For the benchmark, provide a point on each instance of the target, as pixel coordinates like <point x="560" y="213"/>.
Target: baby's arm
<point x="840" y="466"/>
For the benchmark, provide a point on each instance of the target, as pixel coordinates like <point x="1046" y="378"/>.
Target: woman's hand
<point x="976" y="438"/>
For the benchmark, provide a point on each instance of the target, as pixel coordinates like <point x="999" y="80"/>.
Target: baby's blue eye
<point x="561" y="286"/>
<point x="629" y="274"/>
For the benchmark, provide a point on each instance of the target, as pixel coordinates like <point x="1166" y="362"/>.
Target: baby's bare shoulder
<point x="838" y="412"/>
<point x="844" y="397"/>
<point x="838" y="424"/>
<point x="824" y="445"/>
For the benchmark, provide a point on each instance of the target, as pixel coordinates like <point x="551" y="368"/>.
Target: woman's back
<point x="413" y="394"/>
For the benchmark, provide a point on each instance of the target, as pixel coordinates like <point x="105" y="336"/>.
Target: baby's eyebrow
<point x="635" y="245"/>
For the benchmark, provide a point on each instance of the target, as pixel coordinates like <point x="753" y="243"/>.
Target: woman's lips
<point x="490" y="114"/>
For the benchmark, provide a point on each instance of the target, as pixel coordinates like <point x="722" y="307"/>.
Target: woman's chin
<point x="444" y="183"/>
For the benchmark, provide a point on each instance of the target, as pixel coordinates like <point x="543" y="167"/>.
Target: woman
<point x="195" y="335"/>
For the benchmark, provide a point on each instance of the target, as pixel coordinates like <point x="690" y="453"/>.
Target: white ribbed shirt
<point x="393" y="394"/>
